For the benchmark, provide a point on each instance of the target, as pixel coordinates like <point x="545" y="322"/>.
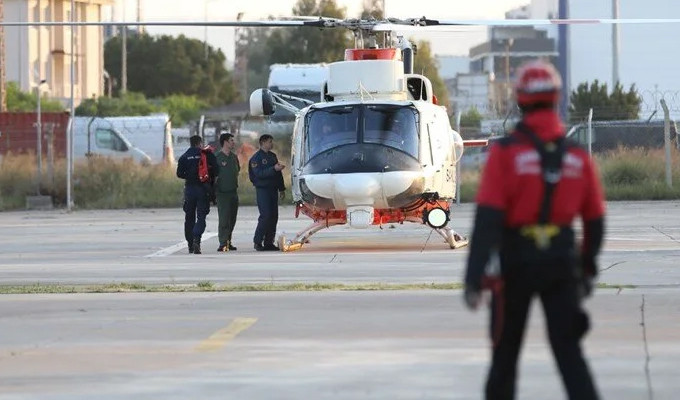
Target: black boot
<point x="190" y="245"/>
<point x="197" y="245"/>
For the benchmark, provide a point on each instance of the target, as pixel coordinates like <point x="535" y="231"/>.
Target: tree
<point x="309" y="45"/>
<point x="424" y="63"/>
<point x="373" y="9"/>
<point x="606" y="107"/>
<point x="471" y="118"/>
<point x="21" y="101"/>
<point x="160" y="66"/>
<point x="127" y="105"/>
<point x="183" y="109"/>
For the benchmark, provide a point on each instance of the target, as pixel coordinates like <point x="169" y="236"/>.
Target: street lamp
<point x="38" y="125"/>
<point x="508" y="85"/>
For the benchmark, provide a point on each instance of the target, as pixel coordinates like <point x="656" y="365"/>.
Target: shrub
<point x="105" y="183"/>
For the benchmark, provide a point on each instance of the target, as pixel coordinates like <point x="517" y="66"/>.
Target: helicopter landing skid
<point x="450" y="236"/>
<point x="303" y="236"/>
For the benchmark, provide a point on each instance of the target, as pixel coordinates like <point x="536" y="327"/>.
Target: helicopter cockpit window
<point x="393" y="126"/>
<point x="330" y="127"/>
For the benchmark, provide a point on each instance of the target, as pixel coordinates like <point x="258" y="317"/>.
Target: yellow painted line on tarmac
<point x="220" y="338"/>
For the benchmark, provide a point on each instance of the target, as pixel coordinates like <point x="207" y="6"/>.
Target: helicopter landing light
<point x="437" y="218"/>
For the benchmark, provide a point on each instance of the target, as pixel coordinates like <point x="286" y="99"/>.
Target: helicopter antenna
<point x="362" y="91"/>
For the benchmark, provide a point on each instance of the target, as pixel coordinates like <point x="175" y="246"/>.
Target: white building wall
<point x="472" y="91"/>
<point x="35" y="53"/>
<point x="16" y="44"/>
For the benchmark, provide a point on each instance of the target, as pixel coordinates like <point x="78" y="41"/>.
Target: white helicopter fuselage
<point x="397" y="149"/>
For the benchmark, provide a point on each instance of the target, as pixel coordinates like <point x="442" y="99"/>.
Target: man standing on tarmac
<point x="197" y="194"/>
<point x="226" y="190"/>
<point x="264" y="171"/>
<point x="534" y="185"/>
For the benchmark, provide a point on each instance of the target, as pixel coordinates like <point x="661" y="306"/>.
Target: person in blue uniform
<point x="264" y="170"/>
<point x="197" y="194"/>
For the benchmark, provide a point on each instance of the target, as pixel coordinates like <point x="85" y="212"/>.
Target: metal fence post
<point x="667" y="141"/>
<point x="590" y="132"/>
<point x="460" y="160"/>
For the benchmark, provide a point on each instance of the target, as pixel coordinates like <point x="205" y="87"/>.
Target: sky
<point x="443" y="43"/>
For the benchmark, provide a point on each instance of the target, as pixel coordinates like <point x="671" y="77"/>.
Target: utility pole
<point x="508" y="84"/>
<point x="69" y="134"/>
<point x="123" y="55"/>
<point x="3" y="91"/>
<point x="123" y="60"/>
<point x="563" y="58"/>
<point x="140" y="28"/>
<point x="616" y="41"/>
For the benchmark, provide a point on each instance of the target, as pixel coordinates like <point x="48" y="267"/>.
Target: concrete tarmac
<point x="319" y="345"/>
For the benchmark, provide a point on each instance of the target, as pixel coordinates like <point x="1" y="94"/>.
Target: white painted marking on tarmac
<point x="177" y="247"/>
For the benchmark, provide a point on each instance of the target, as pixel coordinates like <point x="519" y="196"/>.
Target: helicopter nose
<point x="358" y="188"/>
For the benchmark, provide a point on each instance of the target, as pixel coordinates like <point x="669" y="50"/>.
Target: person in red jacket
<point x="534" y="185"/>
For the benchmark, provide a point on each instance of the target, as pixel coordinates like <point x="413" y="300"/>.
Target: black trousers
<point x="567" y="323"/>
<point x="268" y="206"/>
<point x="196" y="208"/>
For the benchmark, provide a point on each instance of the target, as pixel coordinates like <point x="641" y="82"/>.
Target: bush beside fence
<point x="101" y="183"/>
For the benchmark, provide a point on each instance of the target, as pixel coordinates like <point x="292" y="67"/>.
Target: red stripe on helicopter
<point x="370" y="54"/>
<point x="475" y="143"/>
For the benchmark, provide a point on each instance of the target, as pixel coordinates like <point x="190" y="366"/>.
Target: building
<point x="507" y="48"/>
<point x="647" y="55"/>
<point x="471" y="91"/>
<point x="34" y="53"/>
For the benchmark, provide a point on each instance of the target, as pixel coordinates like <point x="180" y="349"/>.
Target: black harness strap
<point x="551" y="154"/>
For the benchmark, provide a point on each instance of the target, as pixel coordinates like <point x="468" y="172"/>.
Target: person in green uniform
<point x="226" y="191"/>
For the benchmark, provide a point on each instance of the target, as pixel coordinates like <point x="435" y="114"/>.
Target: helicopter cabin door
<point x="437" y="132"/>
<point x="296" y="157"/>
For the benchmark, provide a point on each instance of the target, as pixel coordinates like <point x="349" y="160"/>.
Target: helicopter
<point x="376" y="148"/>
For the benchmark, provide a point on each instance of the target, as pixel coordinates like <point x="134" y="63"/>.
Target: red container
<point x="18" y="133"/>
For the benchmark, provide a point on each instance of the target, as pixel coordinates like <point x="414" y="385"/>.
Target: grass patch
<point x="103" y="183"/>
<point x="639" y="174"/>
<point x="207" y="286"/>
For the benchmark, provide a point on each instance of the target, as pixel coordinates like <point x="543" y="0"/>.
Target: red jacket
<point x="513" y="184"/>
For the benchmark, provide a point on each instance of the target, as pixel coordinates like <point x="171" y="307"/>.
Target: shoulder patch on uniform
<point x="253" y="164"/>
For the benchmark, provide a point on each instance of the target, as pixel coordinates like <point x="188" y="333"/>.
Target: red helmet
<point x="537" y="82"/>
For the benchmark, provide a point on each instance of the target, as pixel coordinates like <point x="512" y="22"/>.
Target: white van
<point x="151" y="133"/>
<point x="91" y="136"/>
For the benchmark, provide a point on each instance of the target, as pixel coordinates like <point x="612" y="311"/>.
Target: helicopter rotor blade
<point x="390" y="24"/>
<point x="264" y="24"/>
<point x="414" y="24"/>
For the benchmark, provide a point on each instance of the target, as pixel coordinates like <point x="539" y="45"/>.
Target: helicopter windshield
<point x="395" y="126"/>
<point x="331" y="127"/>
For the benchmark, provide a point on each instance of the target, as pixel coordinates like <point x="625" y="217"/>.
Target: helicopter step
<point x="303" y="236"/>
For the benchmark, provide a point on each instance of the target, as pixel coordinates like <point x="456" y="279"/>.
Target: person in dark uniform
<point x="226" y="191"/>
<point x="534" y="185"/>
<point x="197" y="194"/>
<point x="264" y="170"/>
